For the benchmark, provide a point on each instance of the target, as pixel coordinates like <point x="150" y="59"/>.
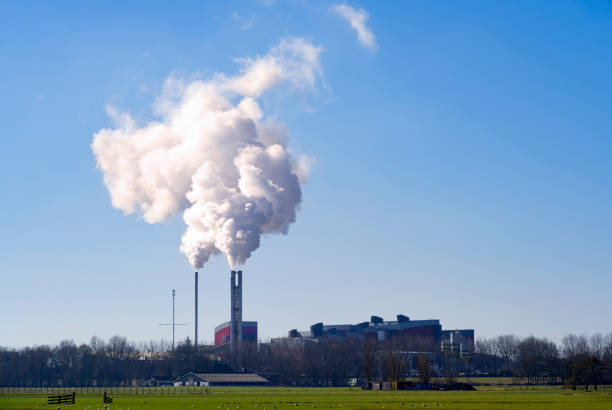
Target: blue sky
<point x="462" y="168"/>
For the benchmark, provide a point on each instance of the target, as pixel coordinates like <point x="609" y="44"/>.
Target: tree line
<point x="577" y="360"/>
<point x="115" y="362"/>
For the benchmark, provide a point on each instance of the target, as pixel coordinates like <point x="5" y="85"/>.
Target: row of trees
<point x="577" y="360"/>
<point x="113" y="363"/>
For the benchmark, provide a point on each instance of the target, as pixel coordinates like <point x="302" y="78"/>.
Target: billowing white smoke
<point x="213" y="156"/>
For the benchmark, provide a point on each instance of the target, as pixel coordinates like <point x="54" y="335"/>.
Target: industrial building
<point x="419" y="335"/>
<point x="458" y="341"/>
<point x="223" y="332"/>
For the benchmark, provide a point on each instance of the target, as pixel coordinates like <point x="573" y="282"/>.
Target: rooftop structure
<point x="220" y="379"/>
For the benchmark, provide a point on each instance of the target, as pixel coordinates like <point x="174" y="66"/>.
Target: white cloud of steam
<point x="357" y="19"/>
<point x="213" y="156"/>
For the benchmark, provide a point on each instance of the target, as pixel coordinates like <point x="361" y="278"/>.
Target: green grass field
<point x="332" y="398"/>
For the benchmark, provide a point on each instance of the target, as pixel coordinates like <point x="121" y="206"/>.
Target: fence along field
<point x="481" y="383"/>
<point x="259" y="398"/>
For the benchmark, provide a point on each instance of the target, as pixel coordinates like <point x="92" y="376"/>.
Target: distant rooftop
<point x="231" y="377"/>
<point x="226" y="324"/>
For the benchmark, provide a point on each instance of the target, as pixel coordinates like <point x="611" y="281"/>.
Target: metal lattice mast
<point x="173" y="324"/>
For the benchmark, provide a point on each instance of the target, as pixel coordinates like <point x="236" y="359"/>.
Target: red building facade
<point x="223" y="331"/>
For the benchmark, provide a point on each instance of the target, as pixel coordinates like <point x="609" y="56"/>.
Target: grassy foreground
<point x="332" y="398"/>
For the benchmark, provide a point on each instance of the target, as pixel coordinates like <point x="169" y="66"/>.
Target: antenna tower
<point x="173" y="324"/>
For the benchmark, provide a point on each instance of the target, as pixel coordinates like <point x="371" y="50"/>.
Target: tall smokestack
<point x="196" y="310"/>
<point x="239" y="292"/>
<point x="236" y="314"/>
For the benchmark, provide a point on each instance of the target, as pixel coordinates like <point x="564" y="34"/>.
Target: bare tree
<point x="485" y="346"/>
<point x="393" y="361"/>
<point x="597" y="345"/>
<point x="98" y="346"/>
<point x="369" y="357"/>
<point x="450" y="367"/>
<point x="424" y="368"/>
<point x="489" y="349"/>
<point x="506" y="346"/>
<point x="607" y="348"/>
<point x="538" y="359"/>
<point x="573" y="345"/>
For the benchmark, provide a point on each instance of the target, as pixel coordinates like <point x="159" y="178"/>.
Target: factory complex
<point x="413" y="335"/>
<point x="417" y="335"/>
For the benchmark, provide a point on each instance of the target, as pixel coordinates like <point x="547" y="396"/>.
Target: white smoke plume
<point x="213" y="156"/>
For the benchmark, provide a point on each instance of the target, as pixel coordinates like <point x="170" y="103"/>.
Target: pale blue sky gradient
<point x="462" y="169"/>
